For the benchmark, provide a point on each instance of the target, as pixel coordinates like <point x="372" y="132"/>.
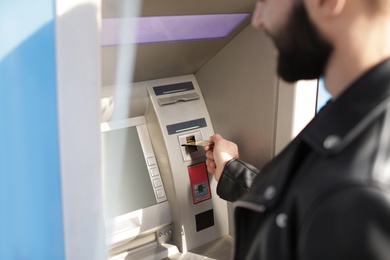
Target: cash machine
<point x="160" y="201"/>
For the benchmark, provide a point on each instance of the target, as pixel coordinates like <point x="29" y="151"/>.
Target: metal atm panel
<point x="177" y="114"/>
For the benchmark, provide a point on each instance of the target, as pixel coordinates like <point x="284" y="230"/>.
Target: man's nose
<point x="257" y="16"/>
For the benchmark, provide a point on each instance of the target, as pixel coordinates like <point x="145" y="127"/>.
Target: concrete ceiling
<point x="163" y="60"/>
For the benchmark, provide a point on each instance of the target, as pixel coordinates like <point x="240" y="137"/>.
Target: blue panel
<point x="30" y="188"/>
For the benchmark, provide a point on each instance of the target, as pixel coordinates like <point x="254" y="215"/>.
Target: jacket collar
<point x="340" y="121"/>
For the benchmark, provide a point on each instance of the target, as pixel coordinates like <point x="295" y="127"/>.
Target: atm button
<point x="157" y="183"/>
<point x="160" y="194"/>
<point x="151" y="161"/>
<point x="154" y="172"/>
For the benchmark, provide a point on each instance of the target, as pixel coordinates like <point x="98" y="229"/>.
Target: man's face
<point x="303" y="53"/>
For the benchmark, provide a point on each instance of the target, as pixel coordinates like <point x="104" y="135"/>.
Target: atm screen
<point x="133" y="191"/>
<point x="126" y="183"/>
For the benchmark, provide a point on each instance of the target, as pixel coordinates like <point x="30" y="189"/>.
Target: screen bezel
<point x="126" y="227"/>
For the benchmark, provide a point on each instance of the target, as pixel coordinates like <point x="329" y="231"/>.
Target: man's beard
<point x="303" y="52"/>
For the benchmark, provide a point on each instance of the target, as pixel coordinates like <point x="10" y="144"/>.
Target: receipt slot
<point x="199" y="182"/>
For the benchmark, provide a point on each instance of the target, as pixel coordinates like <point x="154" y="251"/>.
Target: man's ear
<point x="328" y="8"/>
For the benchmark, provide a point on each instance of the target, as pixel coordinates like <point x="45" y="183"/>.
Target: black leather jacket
<point x="327" y="195"/>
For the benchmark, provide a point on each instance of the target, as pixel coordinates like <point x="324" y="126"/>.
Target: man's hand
<point x="218" y="154"/>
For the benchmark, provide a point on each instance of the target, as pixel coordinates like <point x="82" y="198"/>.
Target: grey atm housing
<point x="195" y="224"/>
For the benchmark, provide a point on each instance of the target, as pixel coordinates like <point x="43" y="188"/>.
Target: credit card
<point x="198" y="143"/>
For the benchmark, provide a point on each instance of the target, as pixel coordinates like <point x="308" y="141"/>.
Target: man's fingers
<point x="210" y="155"/>
<point x="211" y="167"/>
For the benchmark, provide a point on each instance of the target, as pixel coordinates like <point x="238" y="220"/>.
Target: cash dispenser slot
<point x="178" y="98"/>
<point x="176" y="89"/>
<point x="173" y="88"/>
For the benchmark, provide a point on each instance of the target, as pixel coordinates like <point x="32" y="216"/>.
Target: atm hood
<point x="169" y="59"/>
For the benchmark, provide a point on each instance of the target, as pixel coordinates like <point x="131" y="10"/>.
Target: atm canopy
<point x="174" y="57"/>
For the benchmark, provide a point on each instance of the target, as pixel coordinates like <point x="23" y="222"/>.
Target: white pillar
<point x="78" y="93"/>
